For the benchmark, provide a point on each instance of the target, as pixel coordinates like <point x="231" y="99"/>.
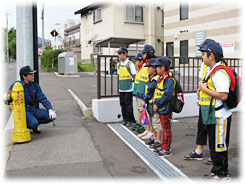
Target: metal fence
<point x="185" y="70"/>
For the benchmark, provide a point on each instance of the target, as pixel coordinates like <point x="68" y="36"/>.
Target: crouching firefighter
<point x="32" y="93"/>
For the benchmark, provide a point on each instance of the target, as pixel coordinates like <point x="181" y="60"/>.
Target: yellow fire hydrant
<point x="20" y="133"/>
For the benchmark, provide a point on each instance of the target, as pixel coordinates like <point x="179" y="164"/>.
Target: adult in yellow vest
<point x="126" y="70"/>
<point x="215" y="114"/>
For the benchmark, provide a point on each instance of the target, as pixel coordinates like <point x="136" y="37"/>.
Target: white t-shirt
<point x="133" y="72"/>
<point x="221" y="83"/>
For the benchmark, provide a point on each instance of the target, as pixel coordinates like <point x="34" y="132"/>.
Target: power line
<point x="59" y="9"/>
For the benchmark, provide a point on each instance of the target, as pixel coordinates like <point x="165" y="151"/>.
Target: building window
<point x="184" y="51"/>
<point x="134" y="13"/>
<point x="96" y="49"/>
<point x="162" y="16"/>
<point x="162" y="48"/>
<point x="97" y="15"/>
<point x="170" y="52"/>
<point x="183" y="10"/>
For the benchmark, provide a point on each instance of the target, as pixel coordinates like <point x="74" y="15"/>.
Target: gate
<point x="185" y="69"/>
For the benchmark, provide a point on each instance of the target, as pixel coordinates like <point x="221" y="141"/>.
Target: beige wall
<point x="98" y="31"/>
<point x="113" y="25"/>
<point x="221" y="21"/>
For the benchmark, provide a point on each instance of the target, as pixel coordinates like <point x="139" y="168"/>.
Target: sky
<point x="55" y="12"/>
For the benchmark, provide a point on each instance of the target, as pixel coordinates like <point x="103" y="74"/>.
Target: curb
<point x="8" y="144"/>
<point x="71" y="75"/>
<point x="87" y="112"/>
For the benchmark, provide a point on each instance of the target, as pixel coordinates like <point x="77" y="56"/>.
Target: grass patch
<point x="85" y="67"/>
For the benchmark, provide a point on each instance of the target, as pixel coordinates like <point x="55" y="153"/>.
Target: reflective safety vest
<point x="144" y="78"/>
<point x="137" y="80"/>
<point x="125" y="77"/>
<point x="159" y="91"/>
<point x="207" y="103"/>
<point x="205" y="68"/>
<point x="146" y="87"/>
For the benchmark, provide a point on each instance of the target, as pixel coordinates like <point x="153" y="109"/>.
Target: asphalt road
<point x="9" y="77"/>
<point x="75" y="147"/>
<point x="84" y="148"/>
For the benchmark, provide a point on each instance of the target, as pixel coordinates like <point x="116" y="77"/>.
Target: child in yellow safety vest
<point x="148" y="53"/>
<point x="215" y="114"/>
<point x="126" y="71"/>
<point x="162" y="103"/>
<point x="201" y="137"/>
<point x="154" y="142"/>
<point x="139" y="63"/>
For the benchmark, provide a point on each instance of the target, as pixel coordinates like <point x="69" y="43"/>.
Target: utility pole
<point x="42" y="28"/>
<point x="24" y="37"/>
<point x="7" y="40"/>
<point x="35" y="42"/>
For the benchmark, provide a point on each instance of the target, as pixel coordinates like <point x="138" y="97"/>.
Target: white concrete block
<point x="109" y="110"/>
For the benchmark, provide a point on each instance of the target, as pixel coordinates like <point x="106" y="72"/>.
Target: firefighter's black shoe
<point x="36" y="131"/>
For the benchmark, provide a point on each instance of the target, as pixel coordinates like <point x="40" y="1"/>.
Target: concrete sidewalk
<point x="79" y="147"/>
<point x="75" y="147"/>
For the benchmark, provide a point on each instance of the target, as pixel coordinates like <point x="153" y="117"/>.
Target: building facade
<point x="72" y="41"/>
<point x="188" y="24"/>
<point x="121" y="21"/>
<point x="174" y="28"/>
<point x="65" y="33"/>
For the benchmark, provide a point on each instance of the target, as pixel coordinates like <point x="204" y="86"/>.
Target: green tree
<point x="12" y="42"/>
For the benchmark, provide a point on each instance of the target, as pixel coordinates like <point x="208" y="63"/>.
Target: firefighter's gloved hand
<point x="52" y="114"/>
<point x="5" y="98"/>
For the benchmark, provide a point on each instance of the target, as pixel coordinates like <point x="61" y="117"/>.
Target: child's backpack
<point x="177" y="101"/>
<point x="235" y="90"/>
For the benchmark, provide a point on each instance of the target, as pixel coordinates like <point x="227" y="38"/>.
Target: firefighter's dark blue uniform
<point x="34" y="116"/>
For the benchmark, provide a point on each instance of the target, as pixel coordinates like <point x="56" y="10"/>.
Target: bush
<point x="49" y="58"/>
<point x="85" y="67"/>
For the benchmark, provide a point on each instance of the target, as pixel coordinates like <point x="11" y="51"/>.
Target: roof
<point x="116" y="42"/>
<point x="89" y="8"/>
<point x="72" y="30"/>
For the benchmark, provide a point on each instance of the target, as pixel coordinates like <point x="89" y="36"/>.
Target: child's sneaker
<point x="140" y="130"/>
<point x="226" y="178"/>
<point x="157" y="150"/>
<point x="193" y="156"/>
<point x="212" y="176"/>
<point x="137" y="126"/>
<point x="143" y="134"/>
<point x="155" y="145"/>
<point x="208" y="161"/>
<point x="147" y="136"/>
<point x="165" y="153"/>
<point x="150" y="141"/>
<point x="130" y="124"/>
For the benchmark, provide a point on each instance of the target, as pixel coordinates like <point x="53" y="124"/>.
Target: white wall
<point x="107" y="110"/>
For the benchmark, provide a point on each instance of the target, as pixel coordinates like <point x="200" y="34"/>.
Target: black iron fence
<point x="185" y="69"/>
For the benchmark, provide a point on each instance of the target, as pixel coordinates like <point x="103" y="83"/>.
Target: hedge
<point x="49" y="56"/>
<point x="85" y="67"/>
